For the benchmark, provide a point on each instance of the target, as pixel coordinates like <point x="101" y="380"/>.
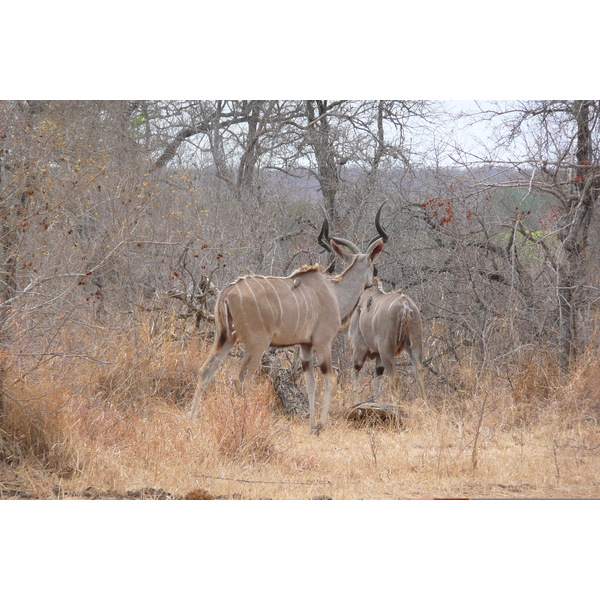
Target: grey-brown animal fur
<point x="384" y="325"/>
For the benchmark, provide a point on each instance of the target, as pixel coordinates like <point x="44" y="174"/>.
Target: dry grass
<point x="118" y="428"/>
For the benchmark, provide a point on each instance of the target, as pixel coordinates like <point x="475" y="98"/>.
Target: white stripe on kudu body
<point x="307" y="308"/>
<point x="382" y="326"/>
<point x="279" y="305"/>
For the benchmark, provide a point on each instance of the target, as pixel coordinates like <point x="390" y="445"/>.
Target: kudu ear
<point x="342" y="252"/>
<point x="374" y="249"/>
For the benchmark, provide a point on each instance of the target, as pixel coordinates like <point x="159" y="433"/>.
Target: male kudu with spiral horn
<point x="307" y="308"/>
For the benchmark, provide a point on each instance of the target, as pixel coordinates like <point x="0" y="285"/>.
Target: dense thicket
<point x="112" y="208"/>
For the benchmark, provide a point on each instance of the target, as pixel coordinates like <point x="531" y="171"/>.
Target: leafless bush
<point x="242" y="425"/>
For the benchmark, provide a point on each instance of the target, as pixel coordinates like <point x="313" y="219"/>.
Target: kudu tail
<point x="410" y="338"/>
<point x="224" y="327"/>
<point x="403" y="322"/>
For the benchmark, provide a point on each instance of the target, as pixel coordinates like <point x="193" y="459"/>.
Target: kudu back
<point x="307" y="308"/>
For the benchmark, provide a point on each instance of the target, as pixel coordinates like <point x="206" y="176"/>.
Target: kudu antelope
<point x="382" y="326"/>
<point x="307" y="308"/>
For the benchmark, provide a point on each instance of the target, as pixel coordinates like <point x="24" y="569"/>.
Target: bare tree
<point x="531" y="211"/>
<point x="561" y="163"/>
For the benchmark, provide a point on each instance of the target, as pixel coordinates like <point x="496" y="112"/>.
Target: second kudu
<point x="307" y="308"/>
<point x="382" y="326"/>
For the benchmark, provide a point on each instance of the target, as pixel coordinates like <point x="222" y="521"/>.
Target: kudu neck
<point x="348" y="287"/>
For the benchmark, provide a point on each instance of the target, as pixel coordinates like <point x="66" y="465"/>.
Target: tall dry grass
<point x="117" y="426"/>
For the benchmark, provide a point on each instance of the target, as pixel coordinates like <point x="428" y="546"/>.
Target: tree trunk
<point x="321" y="141"/>
<point x="575" y="238"/>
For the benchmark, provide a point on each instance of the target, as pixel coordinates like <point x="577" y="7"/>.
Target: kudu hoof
<point x="316" y="430"/>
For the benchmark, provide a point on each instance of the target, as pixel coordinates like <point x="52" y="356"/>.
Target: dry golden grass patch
<point x="119" y="424"/>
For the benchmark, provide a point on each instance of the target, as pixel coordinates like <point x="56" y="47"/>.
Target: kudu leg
<point x="326" y="367"/>
<point x="207" y="372"/>
<point x="379" y="371"/>
<point x="387" y="362"/>
<point x="252" y="357"/>
<point x="306" y="356"/>
<point x="358" y="360"/>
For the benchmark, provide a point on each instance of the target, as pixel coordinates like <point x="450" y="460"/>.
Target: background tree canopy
<point x="107" y="206"/>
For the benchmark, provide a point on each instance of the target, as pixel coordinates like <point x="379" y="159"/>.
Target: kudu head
<point x="349" y="252"/>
